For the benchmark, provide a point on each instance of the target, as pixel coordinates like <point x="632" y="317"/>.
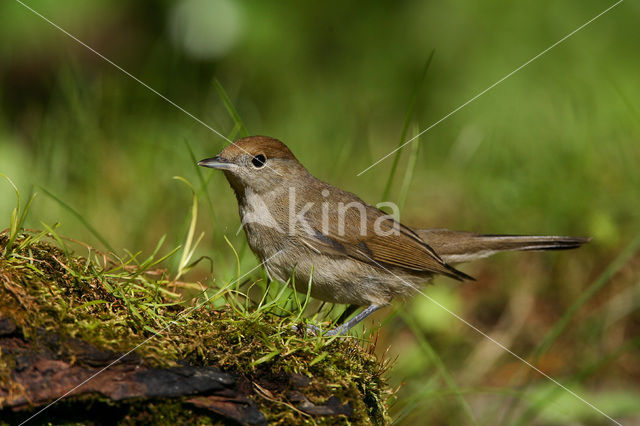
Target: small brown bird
<point x="347" y="250"/>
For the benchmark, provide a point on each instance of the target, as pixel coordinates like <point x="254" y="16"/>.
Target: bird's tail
<point x="459" y="246"/>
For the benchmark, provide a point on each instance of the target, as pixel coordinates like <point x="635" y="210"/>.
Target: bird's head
<point x="256" y="162"/>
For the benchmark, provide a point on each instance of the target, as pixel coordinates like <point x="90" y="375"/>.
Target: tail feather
<point x="460" y="246"/>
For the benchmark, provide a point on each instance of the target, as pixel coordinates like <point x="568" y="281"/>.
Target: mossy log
<point x="95" y="340"/>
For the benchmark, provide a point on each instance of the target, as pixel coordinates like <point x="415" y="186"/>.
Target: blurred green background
<point x="555" y="149"/>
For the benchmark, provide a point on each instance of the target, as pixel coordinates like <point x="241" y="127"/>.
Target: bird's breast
<point x="255" y="209"/>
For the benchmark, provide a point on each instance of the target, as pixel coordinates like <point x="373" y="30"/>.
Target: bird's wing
<point x="391" y="245"/>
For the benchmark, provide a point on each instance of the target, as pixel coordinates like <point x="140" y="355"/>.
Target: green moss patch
<point x="117" y="305"/>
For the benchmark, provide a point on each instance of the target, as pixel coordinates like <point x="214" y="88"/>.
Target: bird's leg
<point x="314" y="329"/>
<point x="343" y="328"/>
<point x="347" y="313"/>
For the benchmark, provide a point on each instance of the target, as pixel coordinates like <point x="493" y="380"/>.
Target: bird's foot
<point x="314" y="330"/>
<point x="341" y="329"/>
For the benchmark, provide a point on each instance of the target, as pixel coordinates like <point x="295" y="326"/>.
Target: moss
<point x="116" y="305"/>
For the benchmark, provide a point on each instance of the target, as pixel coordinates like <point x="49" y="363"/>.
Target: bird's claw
<point x="314" y="330"/>
<point x="310" y="329"/>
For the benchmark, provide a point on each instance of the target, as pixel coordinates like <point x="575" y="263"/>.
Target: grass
<point x="277" y="307"/>
<point x="122" y="304"/>
<point x="133" y="303"/>
<point x="561" y="325"/>
<point x="552" y="150"/>
<point x="442" y="369"/>
<point x="403" y="136"/>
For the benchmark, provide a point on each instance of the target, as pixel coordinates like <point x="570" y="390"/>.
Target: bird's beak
<point x="217" y="162"/>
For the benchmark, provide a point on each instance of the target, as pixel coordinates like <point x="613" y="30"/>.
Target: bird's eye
<point x="259" y="161"/>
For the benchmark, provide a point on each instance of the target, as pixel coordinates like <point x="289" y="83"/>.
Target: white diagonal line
<point x="493" y="85"/>
<point x="520" y="358"/>
<point x="377" y="162"/>
<point x="156" y="334"/>
<point x="77" y="40"/>
<point x="476" y="329"/>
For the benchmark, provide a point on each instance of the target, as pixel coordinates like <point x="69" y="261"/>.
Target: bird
<point x="349" y="252"/>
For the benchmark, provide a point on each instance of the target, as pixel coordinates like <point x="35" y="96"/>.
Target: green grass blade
<point x="627" y="101"/>
<point x="405" y="127"/>
<point x="528" y="416"/>
<point x="408" y="175"/>
<point x="231" y="109"/>
<point x="562" y="324"/>
<point x="266" y="358"/>
<point x="51" y="231"/>
<point x="307" y="296"/>
<point x="235" y="253"/>
<point x="319" y="358"/>
<point x="442" y="369"/>
<point x="203" y="182"/>
<point x="600" y="282"/>
<point x="18" y="216"/>
<point x="78" y="216"/>
<point x="189" y="247"/>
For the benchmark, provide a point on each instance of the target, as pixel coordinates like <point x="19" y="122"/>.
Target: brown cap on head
<point x="254" y="145"/>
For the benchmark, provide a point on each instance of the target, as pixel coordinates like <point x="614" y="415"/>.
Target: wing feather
<point x="403" y="250"/>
